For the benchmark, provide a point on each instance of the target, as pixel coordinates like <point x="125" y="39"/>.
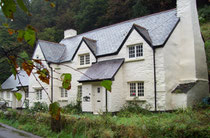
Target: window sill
<point x="134" y="59"/>
<point x="83" y="66"/>
<point x="140" y="99"/>
<point x="63" y="101"/>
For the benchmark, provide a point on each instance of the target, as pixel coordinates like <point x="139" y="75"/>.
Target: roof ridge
<point x="139" y="26"/>
<point x="51" y="42"/>
<point x="89" y="39"/>
<point x="121" y="23"/>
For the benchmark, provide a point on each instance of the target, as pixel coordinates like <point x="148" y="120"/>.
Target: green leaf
<point x="18" y="96"/>
<point x="107" y="84"/>
<point x="22" y="5"/>
<point x="20" y="35"/>
<point x="30" y="35"/>
<point x="66" y="80"/>
<point x="8" y="8"/>
<point x="5" y="25"/>
<point x="55" y="110"/>
<point x="14" y="72"/>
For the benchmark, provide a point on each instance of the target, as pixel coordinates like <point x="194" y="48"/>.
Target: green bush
<point x="39" y="107"/>
<point x="72" y="109"/>
<point x="204" y="14"/>
<point x="132" y="108"/>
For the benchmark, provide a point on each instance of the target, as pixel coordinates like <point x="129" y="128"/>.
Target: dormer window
<point x="135" y="51"/>
<point x="84" y="59"/>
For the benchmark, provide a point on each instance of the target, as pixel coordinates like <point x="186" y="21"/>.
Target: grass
<point x="182" y="123"/>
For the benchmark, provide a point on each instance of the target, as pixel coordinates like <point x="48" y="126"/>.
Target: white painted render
<point x="69" y="68"/>
<point x="8" y="95"/>
<point x="181" y="60"/>
<point x="35" y="85"/>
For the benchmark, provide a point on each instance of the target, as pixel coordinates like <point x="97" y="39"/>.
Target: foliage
<point x="73" y="108"/>
<point x="18" y="96"/>
<point x="107" y="84"/>
<point x="55" y="110"/>
<point x="66" y="80"/>
<point x="204" y="14"/>
<point x="183" y="123"/>
<point x="132" y="108"/>
<point x="39" y="107"/>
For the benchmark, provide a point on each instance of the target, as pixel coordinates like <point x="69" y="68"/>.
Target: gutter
<point x="51" y="69"/>
<point x="155" y="80"/>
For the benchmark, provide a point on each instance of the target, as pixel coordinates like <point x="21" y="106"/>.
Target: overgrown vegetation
<point x="182" y="123"/>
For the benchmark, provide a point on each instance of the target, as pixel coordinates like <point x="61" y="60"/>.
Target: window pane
<point x="82" y="60"/>
<point x="40" y="94"/>
<point x="26" y="94"/>
<point x="8" y="95"/>
<point x="80" y="92"/>
<point x="139" y="50"/>
<point x="141" y="89"/>
<point x="131" y="52"/>
<point x="37" y="95"/>
<point x="87" y="59"/>
<point x="66" y="93"/>
<point x="62" y="93"/>
<point x="132" y="89"/>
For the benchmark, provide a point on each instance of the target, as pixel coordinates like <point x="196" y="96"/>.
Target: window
<point x="85" y="59"/>
<point x="8" y="94"/>
<point x="79" y="92"/>
<point x="2" y="95"/>
<point x="135" y="51"/>
<point x="39" y="94"/>
<point x="137" y="89"/>
<point x="64" y="92"/>
<point x="99" y="90"/>
<point x="27" y="94"/>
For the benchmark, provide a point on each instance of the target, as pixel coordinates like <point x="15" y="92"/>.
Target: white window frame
<point x="8" y="95"/>
<point x="64" y="92"/>
<point x="79" y="91"/>
<point x="86" y="59"/>
<point x="39" y="94"/>
<point x="136" y="89"/>
<point x="137" y="53"/>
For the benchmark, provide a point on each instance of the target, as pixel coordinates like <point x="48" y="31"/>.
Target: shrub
<point x="39" y="107"/>
<point x="132" y="108"/>
<point x="204" y="14"/>
<point x="73" y="108"/>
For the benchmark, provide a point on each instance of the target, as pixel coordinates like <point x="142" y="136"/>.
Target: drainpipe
<point x="51" y="69"/>
<point x="155" y="81"/>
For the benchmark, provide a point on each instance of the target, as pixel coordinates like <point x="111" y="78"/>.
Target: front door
<point x="98" y="99"/>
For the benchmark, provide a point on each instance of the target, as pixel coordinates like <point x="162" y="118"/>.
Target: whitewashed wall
<point x="34" y="84"/>
<point x="72" y="93"/>
<point x="141" y="69"/>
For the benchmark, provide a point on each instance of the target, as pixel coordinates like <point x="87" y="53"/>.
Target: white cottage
<point x="158" y="60"/>
<point x="13" y="85"/>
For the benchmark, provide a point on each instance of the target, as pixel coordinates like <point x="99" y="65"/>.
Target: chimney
<point x="193" y="61"/>
<point x="70" y="33"/>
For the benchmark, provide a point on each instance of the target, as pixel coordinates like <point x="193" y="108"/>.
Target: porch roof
<point x="103" y="70"/>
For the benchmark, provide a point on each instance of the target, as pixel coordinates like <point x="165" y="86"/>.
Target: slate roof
<point x="11" y="83"/>
<point x="92" y="44"/>
<point x="103" y="70"/>
<point x="184" y="88"/>
<point x="157" y="28"/>
<point x="52" y="51"/>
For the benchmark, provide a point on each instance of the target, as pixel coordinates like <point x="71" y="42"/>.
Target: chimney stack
<point x="70" y="33"/>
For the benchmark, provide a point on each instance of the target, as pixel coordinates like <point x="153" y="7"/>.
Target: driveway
<point x="10" y="132"/>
